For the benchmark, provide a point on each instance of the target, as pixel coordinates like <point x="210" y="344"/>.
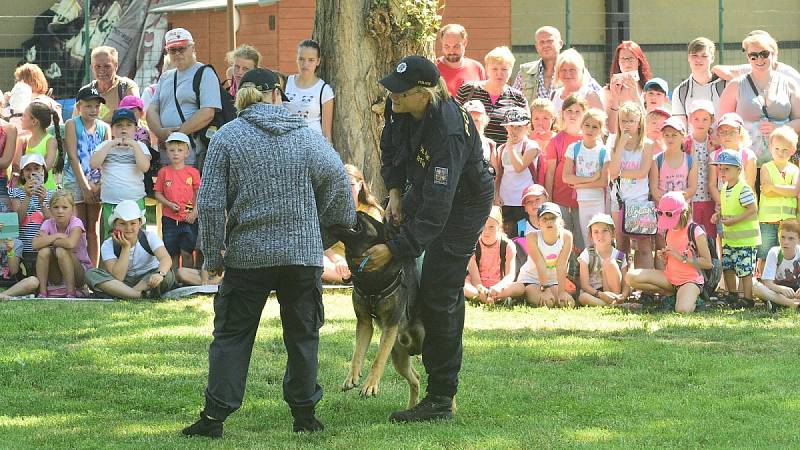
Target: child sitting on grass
<point x="136" y="262"/>
<point x="543" y="277"/>
<point x="780" y="281"/>
<point x="602" y="266"/>
<point x="62" y="254"/>
<point x="684" y="255"/>
<point x="492" y="268"/>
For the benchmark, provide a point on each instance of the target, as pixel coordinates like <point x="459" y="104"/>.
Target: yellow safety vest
<point x="775" y="209"/>
<point x="744" y="234"/>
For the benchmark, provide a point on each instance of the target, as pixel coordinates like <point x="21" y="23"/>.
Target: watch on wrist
<point x="163" y="274"/>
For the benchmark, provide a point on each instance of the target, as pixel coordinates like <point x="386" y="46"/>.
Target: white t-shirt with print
<point x="305" y="102"/>
<point x="587" y="165"/>
<point x="786" y="273"/>
<point x="139" y="261"/>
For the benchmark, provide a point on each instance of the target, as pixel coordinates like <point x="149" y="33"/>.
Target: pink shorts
<point x="701" y="213"/>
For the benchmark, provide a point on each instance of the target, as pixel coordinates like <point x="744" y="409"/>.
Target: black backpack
<point x="122" y="88"/>
<point x="221" y="116"/>
<point x="142" y="241"/>
<point x="504" y="242"/>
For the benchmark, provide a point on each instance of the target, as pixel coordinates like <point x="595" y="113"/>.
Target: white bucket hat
<point x="126" y="210"/>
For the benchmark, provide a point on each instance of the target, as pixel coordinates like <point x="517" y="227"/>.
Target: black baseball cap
<point x="412" y="71"/>
<point x="123" y="114"/>
<point x="89" y="93"/>
<point x="264" y="80"/>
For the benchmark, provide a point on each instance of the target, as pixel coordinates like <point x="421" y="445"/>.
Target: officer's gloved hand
<point x="377" y="257"/>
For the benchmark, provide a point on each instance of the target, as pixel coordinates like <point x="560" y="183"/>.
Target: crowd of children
<point x="674" y="196"/>
<point x="62" y="188"/>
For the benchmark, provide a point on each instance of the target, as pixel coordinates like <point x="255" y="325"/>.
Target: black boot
<point x="305" y="420"/>
<point x="205" y="426"/>
<point x="306" y="425"/>
<point x="432" y="407"/>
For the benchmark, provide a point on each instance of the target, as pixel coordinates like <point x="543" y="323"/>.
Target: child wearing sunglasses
<point x="684" y="257"/>
<point x="741" y="234"/>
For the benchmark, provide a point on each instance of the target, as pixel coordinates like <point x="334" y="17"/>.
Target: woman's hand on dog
<point x="394" y="209"/>
<point x="378" y="256"/>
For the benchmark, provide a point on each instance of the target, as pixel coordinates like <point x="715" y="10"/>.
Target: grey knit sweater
<point x="279" y="184"/>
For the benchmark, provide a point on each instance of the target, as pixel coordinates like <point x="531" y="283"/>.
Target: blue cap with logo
<point x="728" y="158"/>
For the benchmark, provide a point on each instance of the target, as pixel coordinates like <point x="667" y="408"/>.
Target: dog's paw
<point x="350" y="383"/>
<point x="370" y="388"/>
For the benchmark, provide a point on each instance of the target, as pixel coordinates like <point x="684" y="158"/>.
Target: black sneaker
<point x="204" y="427"/>
<point x="304" y="425"/>
<point x="432" y="407"/>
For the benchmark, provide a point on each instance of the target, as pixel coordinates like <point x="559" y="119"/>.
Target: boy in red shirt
<point x="176" y="189"/>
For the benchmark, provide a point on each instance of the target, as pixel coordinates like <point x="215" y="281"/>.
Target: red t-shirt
<point x="562" y="193"/>
<point x="178" y="186"/>
<point x="470" y="70"/>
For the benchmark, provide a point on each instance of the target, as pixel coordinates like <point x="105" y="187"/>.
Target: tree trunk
<point x="361" y="41"/>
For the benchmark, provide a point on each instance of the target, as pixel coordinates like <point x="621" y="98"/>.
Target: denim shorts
<point x="769" y="238"/>
<point x="178" y="235"/>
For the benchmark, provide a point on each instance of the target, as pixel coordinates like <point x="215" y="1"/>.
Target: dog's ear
<point x="344" y="234"/>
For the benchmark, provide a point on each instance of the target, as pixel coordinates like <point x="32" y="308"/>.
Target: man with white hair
<point x="112" y="87"/>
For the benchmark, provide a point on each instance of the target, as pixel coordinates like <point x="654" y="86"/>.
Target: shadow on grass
<point x="133" y="375"/>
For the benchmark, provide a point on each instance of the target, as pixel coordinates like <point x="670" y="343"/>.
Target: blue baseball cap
<point x="728" y="158"/>
<point x="123" y="114"/>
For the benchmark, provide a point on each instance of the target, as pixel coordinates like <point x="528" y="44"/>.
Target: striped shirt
<point x="496" y="111"/>
<point x="747" y="197"/>
<point x="29" y="226"/>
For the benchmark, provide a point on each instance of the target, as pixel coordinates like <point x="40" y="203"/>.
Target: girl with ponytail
<point x="36" y="119"/>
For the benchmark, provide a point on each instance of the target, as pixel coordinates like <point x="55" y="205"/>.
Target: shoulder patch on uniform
<point x="440" y="175"/>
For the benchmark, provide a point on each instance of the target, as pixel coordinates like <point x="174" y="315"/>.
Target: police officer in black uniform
<point x="440" y="192"/>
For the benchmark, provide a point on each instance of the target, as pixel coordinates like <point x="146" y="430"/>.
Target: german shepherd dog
<point x="387" y="296"/>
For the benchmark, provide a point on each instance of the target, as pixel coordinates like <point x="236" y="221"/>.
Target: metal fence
<point x="663" y="29"/>
<point x="56" y="39"/>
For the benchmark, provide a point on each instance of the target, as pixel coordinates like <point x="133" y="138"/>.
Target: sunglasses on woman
<point x="669" y="214"/>
<point x="764" y="54"/>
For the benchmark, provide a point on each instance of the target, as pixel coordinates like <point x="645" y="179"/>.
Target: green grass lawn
<point x="114" y="375"/>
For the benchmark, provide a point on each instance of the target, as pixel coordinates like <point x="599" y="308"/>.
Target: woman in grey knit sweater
<point x="270" y="188"/>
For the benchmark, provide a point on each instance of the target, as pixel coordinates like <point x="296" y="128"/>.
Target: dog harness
<point x="373" y="299"/>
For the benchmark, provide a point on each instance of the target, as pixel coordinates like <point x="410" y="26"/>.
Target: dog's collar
<point x="385" y="292"/>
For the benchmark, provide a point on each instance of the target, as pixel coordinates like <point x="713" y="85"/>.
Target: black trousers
<point x="237" y="312"/>
<point x="441" y="294"/>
